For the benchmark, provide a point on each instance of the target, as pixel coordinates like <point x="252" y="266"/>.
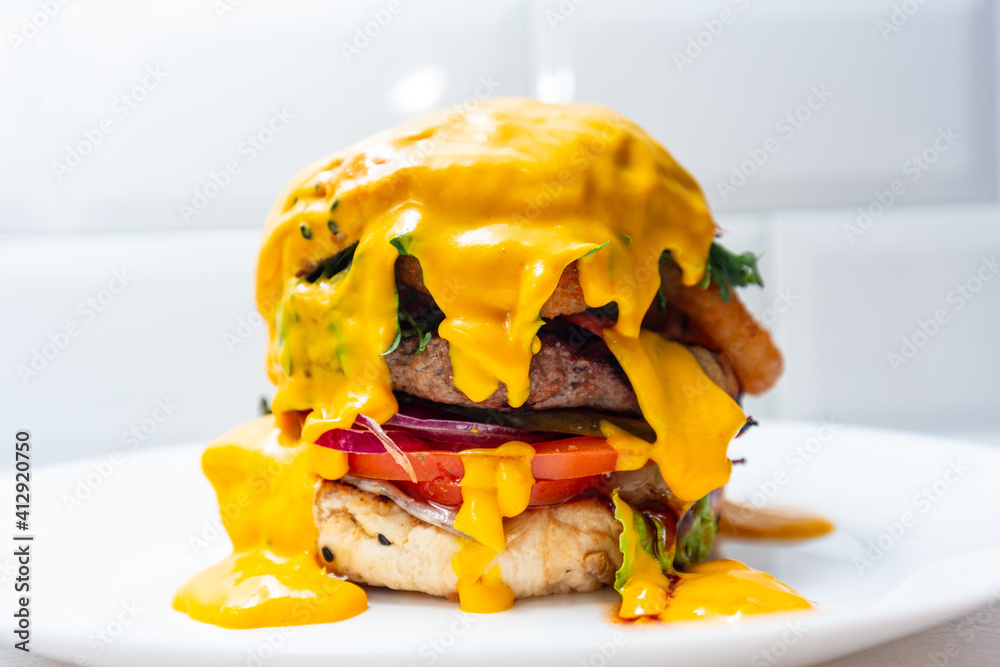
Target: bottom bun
<point x="568" y="548"/>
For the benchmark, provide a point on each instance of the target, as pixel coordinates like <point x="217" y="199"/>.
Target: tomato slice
<point x="544" y="492"/>
<point x="571" y="458"/>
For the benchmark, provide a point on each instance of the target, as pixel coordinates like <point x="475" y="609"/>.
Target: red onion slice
<point x="466" y="433"/>
<point x="355" y="441"/>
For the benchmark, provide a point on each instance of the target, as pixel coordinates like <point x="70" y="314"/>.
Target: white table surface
<point x="972" y="641"/>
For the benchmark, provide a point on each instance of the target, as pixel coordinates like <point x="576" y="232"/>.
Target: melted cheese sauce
<point x="273" y="577"/>
<point x="495" y="203"/>
<point x="779" y="523"/>
<point x="260" y="589"/>
<point x="330" y="337"/>
<point x="727" y="589"/>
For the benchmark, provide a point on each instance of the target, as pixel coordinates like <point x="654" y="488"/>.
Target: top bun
<point x="508" y="159"/>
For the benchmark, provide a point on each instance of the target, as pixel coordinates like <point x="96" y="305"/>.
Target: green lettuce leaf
<point x="696" y="544"/>
<point x="636" y="537"/>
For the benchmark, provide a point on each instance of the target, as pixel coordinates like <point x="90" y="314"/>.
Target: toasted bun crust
<point x="564" y="549"/>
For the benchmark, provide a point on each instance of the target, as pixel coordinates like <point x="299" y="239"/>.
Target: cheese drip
<point x="496" y="484"/>
<point x="498" y="309"/>
<point x="330" y="338"/>
<point x="495" y="204"/>
<point x="328" y="463"/>
<point x="481" y="589"/>
<point x="273" y="578"/>
<point x="693" y="418"/>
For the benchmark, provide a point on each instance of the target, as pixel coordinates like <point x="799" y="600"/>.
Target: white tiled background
<point x="712" y="79"/>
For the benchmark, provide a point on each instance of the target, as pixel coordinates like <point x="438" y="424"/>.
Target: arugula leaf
<point x="661" y="301"/>
<point x="331" y="266"/>
<point x="422" y="328"/>
<point x="395" y="342"/>
<point x="729" y="270"/>
<point x="696" y="544"/>
<point x="398" y="243"/>
<point x="594" y="249"/>
<point x="408" y="326"/>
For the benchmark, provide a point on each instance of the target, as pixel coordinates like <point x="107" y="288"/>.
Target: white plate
<point x="104" y="574"/>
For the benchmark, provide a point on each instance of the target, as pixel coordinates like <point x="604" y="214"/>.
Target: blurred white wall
<point x="855" y="143"/>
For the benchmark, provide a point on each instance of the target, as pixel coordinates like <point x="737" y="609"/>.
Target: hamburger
<point x="508" y="360"/>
